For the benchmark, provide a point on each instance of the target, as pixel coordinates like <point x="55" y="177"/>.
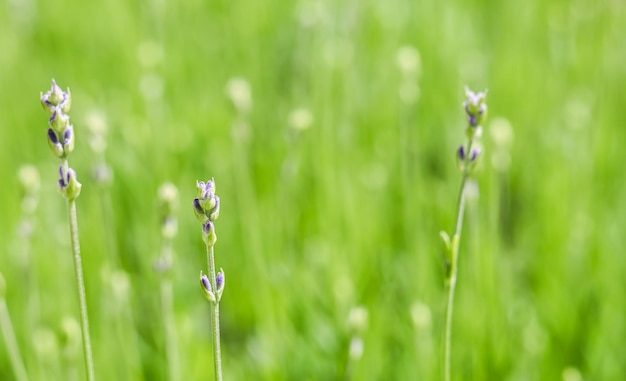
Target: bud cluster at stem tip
<point x="476" y="112"/>
<point x="61" y="132"/>
<point x="475" y="108"/>
<point x="207" y="209"/>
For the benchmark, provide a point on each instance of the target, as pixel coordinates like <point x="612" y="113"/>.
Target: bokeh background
<point x="330" y="128"/>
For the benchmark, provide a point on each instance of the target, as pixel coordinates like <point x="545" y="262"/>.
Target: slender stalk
<point x="9" y="337"/>
<point x="80" y="283"/>
<point x="167" y="310"/>
<point x="170" y="333"/>
<point x="460" y="210"/>
<point x="215" y="316"/>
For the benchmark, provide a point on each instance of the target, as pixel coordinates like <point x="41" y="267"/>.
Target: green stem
<point x="170" y="332"/>
<point x="80" y="283"/>
<point x="167" y="309"/>
<point x="460" y="209"/>
<point x="11" y="342"/>
<point x="215" y="316"/>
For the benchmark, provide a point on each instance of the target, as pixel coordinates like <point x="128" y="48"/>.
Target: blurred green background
<point x="330" y="128"/>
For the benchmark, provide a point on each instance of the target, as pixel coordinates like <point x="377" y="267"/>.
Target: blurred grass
<point x="344" y="213"/>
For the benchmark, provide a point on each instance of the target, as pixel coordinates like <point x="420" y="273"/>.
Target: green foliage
<point x="340" y="213"/>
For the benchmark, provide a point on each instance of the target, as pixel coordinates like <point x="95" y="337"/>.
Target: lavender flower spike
<point x="475" y="107"/>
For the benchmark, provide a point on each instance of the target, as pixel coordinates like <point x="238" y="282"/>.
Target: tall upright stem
<point x="9" y="337"/>
<point x="215" y="316"/>
<point x="80" y="283"/>
<point x="167" y="309"/>
<point x="460" y="210"/>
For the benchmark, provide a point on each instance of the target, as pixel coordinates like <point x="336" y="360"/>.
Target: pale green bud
<point x="208" y="233"/>
<point x="220" y="282"/>
<point x="68" y="185"/>
<point x="206" y="288"/>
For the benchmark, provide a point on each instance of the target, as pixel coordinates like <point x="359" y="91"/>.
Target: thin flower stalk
<point x="467" y="156"/>
<point x="19" y="371"/>
<point x="168" y="205"/>
<point x="207" y="209"/>
<point x="61" y="142"/>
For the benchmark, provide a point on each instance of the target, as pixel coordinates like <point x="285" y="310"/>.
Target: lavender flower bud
<point x="475" y="107"/>
<point x="467" y="163"/>
<point x="52" y="97"/>
<point x="68" y="140"/>
<point x="460" y="153"/>
<point x="66" y="103"/>
<point x="208" y="233"/>
<point x="53" y="143"/>
<point x="215" y="211"/>
<point x="68" y="185"/>
<point x="199" y="211"/>
<point x="59" y="121"/>
<point x="207" y="205"/>
<point x="220" y="281"/>
<point x="206" y="287"/>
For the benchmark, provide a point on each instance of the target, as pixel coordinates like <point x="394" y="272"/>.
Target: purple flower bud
<point x="67" y="135"/>
<point x="474" y="154"/>
<point x="207" y="227"/>
<point x="206" y="288"/>
<point x="471" y="119"/>
<point x="461" y="153"/>
<point x="52" y="136"/>
<point x="208" y="233"/>
<point x="219" y="280"/>
<point x="204" y="281"/>
<point x="197" y="207"/>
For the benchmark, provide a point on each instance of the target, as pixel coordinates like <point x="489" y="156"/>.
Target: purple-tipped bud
<point x="219" y="280"/>
<point x="200" y="215"/>
<point x="66" y="103"/>
<point x="208" y="233"/>
<point x="475" y="107"/>
<point x="204" y="281"/>
<point x="460" y="153"/>
<point x="52" y="136"/>
<point x="215" y="211"/>
<point x="68" y="140"/>
<point x="471" y="119"/>
<point x="55" y="146"/>
<point x="68" y="185"/>
<point x="67" y="135"/>
<point x="206" y="287"/>
<point x="59" y="120"/>
<point x="55" y="95"/>
<point x="474" y="154"/>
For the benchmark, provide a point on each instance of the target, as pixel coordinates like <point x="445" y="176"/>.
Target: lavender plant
<point x="30" y="184"/>
<point x="61" y="142"/>
<point x="467" y="155"/>
<point x="102" y="175"/>
<point x="357" y="325"/>
<point x="8" y="333"/>
<point x="207" y="209"/>
<point x="168" y="205"/>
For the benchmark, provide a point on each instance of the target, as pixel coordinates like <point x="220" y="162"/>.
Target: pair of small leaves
<point x="450" y="246"/>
